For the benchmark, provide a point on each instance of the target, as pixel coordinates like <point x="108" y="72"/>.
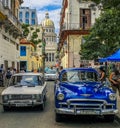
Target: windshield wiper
<point x="72" y="76"/>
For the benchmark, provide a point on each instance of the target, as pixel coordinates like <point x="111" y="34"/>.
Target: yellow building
<point x="29" y="59"/>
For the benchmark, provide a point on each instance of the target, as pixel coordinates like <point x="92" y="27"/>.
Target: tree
<point x="34" y="34"/>
<point x="108" y="4"/>
<point x="104" y="37"/>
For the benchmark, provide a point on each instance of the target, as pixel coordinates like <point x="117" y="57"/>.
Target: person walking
<point x="102" y="74"/>
<point x="115" y="80"/>
<point x="8" y="75"/>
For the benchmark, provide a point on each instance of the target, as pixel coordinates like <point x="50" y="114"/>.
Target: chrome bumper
<point x="22" y="103"/>
<point x="86" y="112"/>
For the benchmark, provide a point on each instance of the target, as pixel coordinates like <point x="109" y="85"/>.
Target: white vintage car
<point x="25" y="89"/>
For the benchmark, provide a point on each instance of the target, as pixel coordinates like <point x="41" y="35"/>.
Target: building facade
<point x="28" y="16"/>
<point x="50" y="39"/>
<point x="29" y="58"/>
<point x="77" y="17"/>
<point x="10" y="31"/>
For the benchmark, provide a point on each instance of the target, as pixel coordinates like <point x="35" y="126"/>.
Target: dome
<point x="47" y="22"/>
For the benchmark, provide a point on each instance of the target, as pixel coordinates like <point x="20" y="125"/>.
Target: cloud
<point x="53" y="7"/>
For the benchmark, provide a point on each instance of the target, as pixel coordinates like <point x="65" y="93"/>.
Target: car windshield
<point x="51" y="72"/>
<point x="26" y="80"/>
<point x="79" y="76"/>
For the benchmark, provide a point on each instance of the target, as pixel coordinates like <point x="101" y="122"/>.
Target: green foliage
<point x="108" y="4"/>
<point x="34" y="34"/>
<point x="25" y="30"/>
<point x="104" y="37"/>
<point x="37" y="30"/>
<point x="31" y="28"/>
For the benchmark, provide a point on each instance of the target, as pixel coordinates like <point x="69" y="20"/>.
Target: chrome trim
<point x="69" y="100"/>
<point x="86" y="95"/>
<point x="101" y="108"/>
<point x="74" y="112"/>
<point x="25" y="102"/>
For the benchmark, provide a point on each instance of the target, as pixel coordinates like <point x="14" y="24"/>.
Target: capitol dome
<point x="47" y="22"/>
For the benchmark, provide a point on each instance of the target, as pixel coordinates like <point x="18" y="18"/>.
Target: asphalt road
<point x="33" y="118"/>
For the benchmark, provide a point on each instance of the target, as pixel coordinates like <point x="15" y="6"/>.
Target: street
<point x="33" y="118"/>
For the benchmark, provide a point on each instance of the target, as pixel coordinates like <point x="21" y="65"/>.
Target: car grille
<point x="86" y="104"/>
<point x="20" y="97"/>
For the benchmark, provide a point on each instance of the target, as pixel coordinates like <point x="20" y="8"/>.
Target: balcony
<point x="8" y="19"/>
<point x="74" y="26"/>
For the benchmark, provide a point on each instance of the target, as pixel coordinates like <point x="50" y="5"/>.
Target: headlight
<point x="5" y="97"/>
<point x="112" y="97"/>
<point x="36" y="96"/>
<point x="60" y="96"/>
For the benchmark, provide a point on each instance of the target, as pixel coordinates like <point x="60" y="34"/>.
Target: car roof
<point x="28" y="73"/>
<point x="82" y="69"/>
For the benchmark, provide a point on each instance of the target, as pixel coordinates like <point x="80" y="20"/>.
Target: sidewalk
<point x="117" y="117"/>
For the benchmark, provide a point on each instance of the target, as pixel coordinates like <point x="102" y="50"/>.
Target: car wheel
<point x="109" y="118"/>
<point x="58" y="117"/>
<point x="5" y="108"/>
<point x="43" y="104"/>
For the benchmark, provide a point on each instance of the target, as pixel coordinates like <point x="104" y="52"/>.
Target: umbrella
<point x="113" y="58"/>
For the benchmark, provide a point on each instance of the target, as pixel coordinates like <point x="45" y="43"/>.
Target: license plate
<point x="87" y="112"/>
<point x="21" y="105"/>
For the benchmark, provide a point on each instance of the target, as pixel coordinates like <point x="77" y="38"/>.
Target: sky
<point x="53" y="7"/>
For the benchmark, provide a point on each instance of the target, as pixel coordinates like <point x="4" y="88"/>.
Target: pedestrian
<point x="60" y="69"/>
<point x="1" y="77"/>
<point x="102" y="74"/>
<point x="8" y="75"/>
<point x="115" y="80"/>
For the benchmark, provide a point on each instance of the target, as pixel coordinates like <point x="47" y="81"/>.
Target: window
<point x="85" y="18"/>
<point x="49" y="56"/>
<point x="27" y="15"/>
<point x="33" y="15"/>
<point x="20" y="15"/>
<point x="33" y="21"/>
<point x="5" y="3"/>
<point x="52" y="56"/>
<point x="21" y="20"/>
<point x="27" y="21"/>
<point x="23" y="51"/>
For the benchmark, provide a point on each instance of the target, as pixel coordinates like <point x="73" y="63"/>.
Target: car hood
<point x="84" y="89"/>
<point x="23" y="90"/>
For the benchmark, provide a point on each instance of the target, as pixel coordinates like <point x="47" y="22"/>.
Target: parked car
<point x="25" y="89"/>
<point x="51" y="75"/>
<point x="80" y="92"/>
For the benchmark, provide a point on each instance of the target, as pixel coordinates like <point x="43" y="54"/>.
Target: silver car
<point x="51" y="75"/>
<point x="25" y="89"/>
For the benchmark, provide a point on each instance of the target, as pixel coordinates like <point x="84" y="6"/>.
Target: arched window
<point x="27" y="15"/>
<point x="33" y="15"/>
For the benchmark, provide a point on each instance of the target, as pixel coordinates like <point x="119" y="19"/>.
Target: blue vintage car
<point x="79" y="91"/>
